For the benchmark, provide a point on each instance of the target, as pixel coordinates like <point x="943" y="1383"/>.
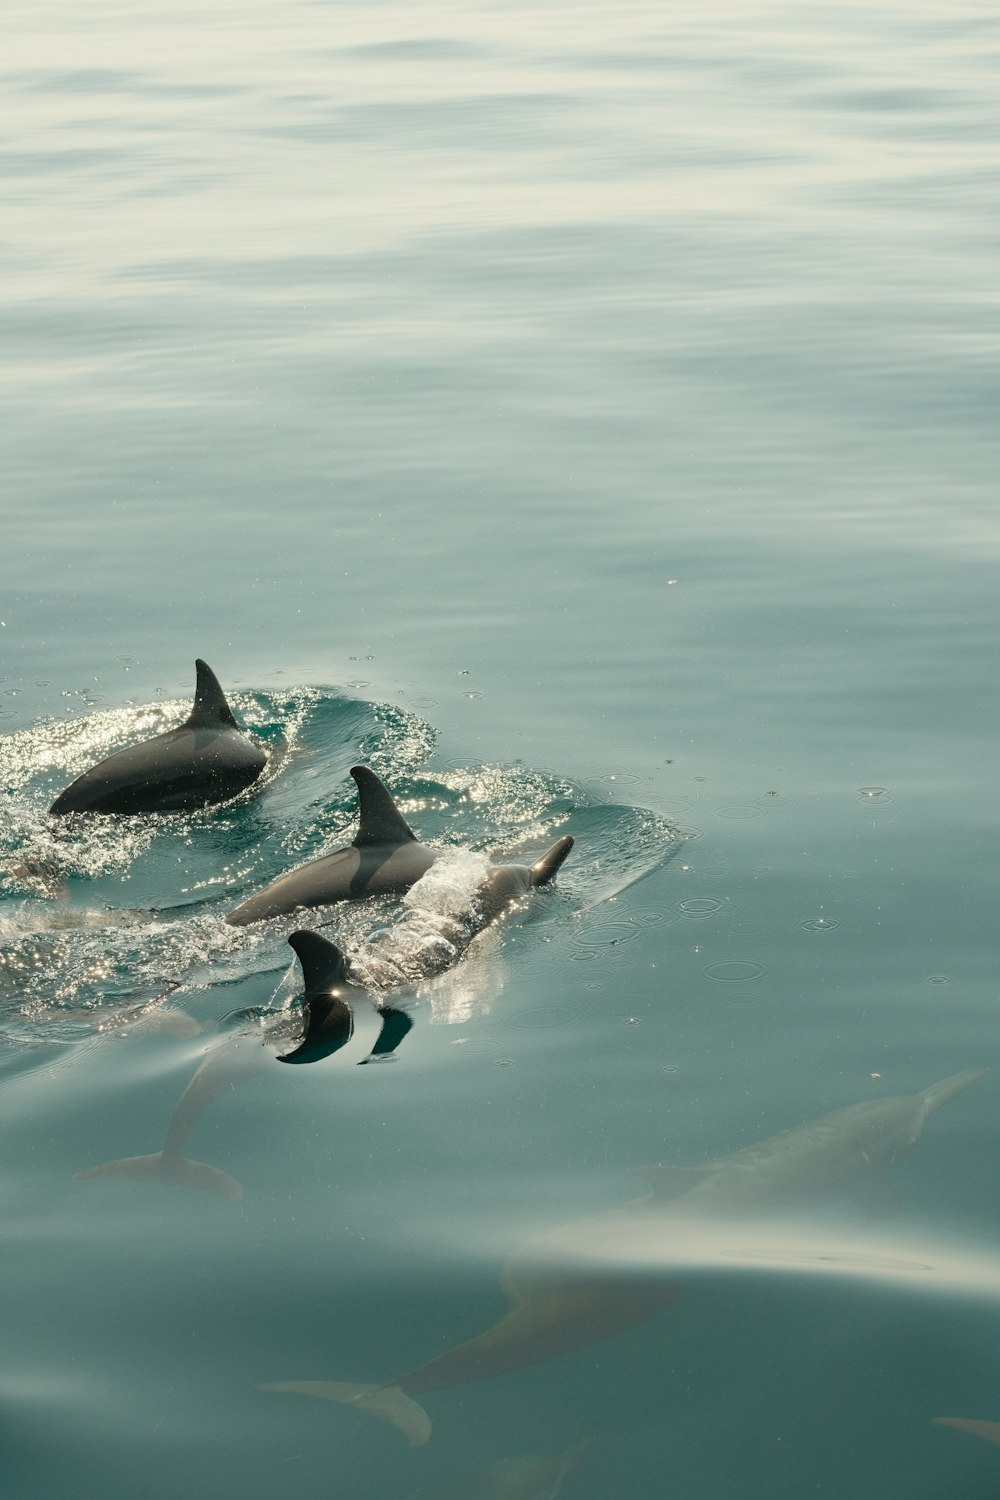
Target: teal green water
<point x="586" y="416"/>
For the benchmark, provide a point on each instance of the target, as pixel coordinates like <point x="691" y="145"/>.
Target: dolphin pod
<point x="385" y="857"/>
<point x="329" y="991"/>
<point x="558" y="1302"/>
<point x="557" y="1310"/>
<point x="206" y="759"/>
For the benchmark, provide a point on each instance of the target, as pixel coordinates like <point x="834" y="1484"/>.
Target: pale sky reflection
<point x="649" y="1246"/>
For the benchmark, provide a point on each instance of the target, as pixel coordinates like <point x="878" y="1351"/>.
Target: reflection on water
<point x="616" y="388"/>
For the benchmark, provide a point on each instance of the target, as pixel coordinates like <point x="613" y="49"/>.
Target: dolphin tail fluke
<point x="174" y="1171"/>
<point x="940" y="1093"/>
<point x="387" y="1401"/>
<point x="543" y="869"/>
<point x="988" y="1430"/>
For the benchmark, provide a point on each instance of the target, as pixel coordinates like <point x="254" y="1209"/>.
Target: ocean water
<point x="586" y="416"/>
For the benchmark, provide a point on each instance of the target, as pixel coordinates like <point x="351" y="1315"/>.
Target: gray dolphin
<point x="414" y="949"/>
<point x="330" y="989"/>
<point x="384" y="857"/>
<point x="425" y="941"/>
<point x="206" y="759"/>
<point x="559" y="1308"/>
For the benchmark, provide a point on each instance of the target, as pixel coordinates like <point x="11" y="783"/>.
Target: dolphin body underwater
<point x="206" y="759"/>
<point x="384" y="858"/>
<point x="525" y="1476"/>
<point x="988" y="1430"/>
<point x="329" y="990"/>
<point x="558" y="1309"/>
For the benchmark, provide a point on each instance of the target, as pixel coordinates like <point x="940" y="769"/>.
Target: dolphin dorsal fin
<point x="210" y="707"/>
<point x="379" y="819"/>
<point x="543" y="869"/>
<point x="323" y="964"/>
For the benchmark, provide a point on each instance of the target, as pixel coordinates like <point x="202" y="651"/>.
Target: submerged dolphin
<point x="556" y="1309"/>
<point x="527" y="1476"/>
<point x="227" y="1064"/>
<point x="988" y="1430"/>
<point x="384" y="857"/>
<point x="206" y="759"/>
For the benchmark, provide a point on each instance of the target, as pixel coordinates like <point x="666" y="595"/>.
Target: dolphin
<point x="526" y="1476"/>
<point x="384" y="857"/>
<point x="206" y="759"/>
<point x="415" y="949"/>
<point x="560" y="1304"/>
<point x="330" y="989"/>
<point x="232" y="1062"/>
<point x="222" y="1067"/>
<point x="426" y="941"/>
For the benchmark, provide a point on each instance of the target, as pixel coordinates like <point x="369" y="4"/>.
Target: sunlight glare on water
<point x="585" y="417"/>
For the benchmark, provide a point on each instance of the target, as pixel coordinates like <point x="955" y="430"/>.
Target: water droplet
<point x="735" y="811"/>
<point x="544" y="1017"/>
<point x="699" y="907"/>
<point x="609" y="934"/>
<point x="736" y="971"/>
<point x="937" y="979"/>
<point x="819" y="924"/>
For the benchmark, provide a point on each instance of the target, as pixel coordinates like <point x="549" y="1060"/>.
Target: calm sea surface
<point x="587" y="416"/>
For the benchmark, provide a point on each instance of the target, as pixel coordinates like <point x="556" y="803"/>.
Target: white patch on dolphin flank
<point x="449" y="887"/>
<point x="440" y="915"/>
